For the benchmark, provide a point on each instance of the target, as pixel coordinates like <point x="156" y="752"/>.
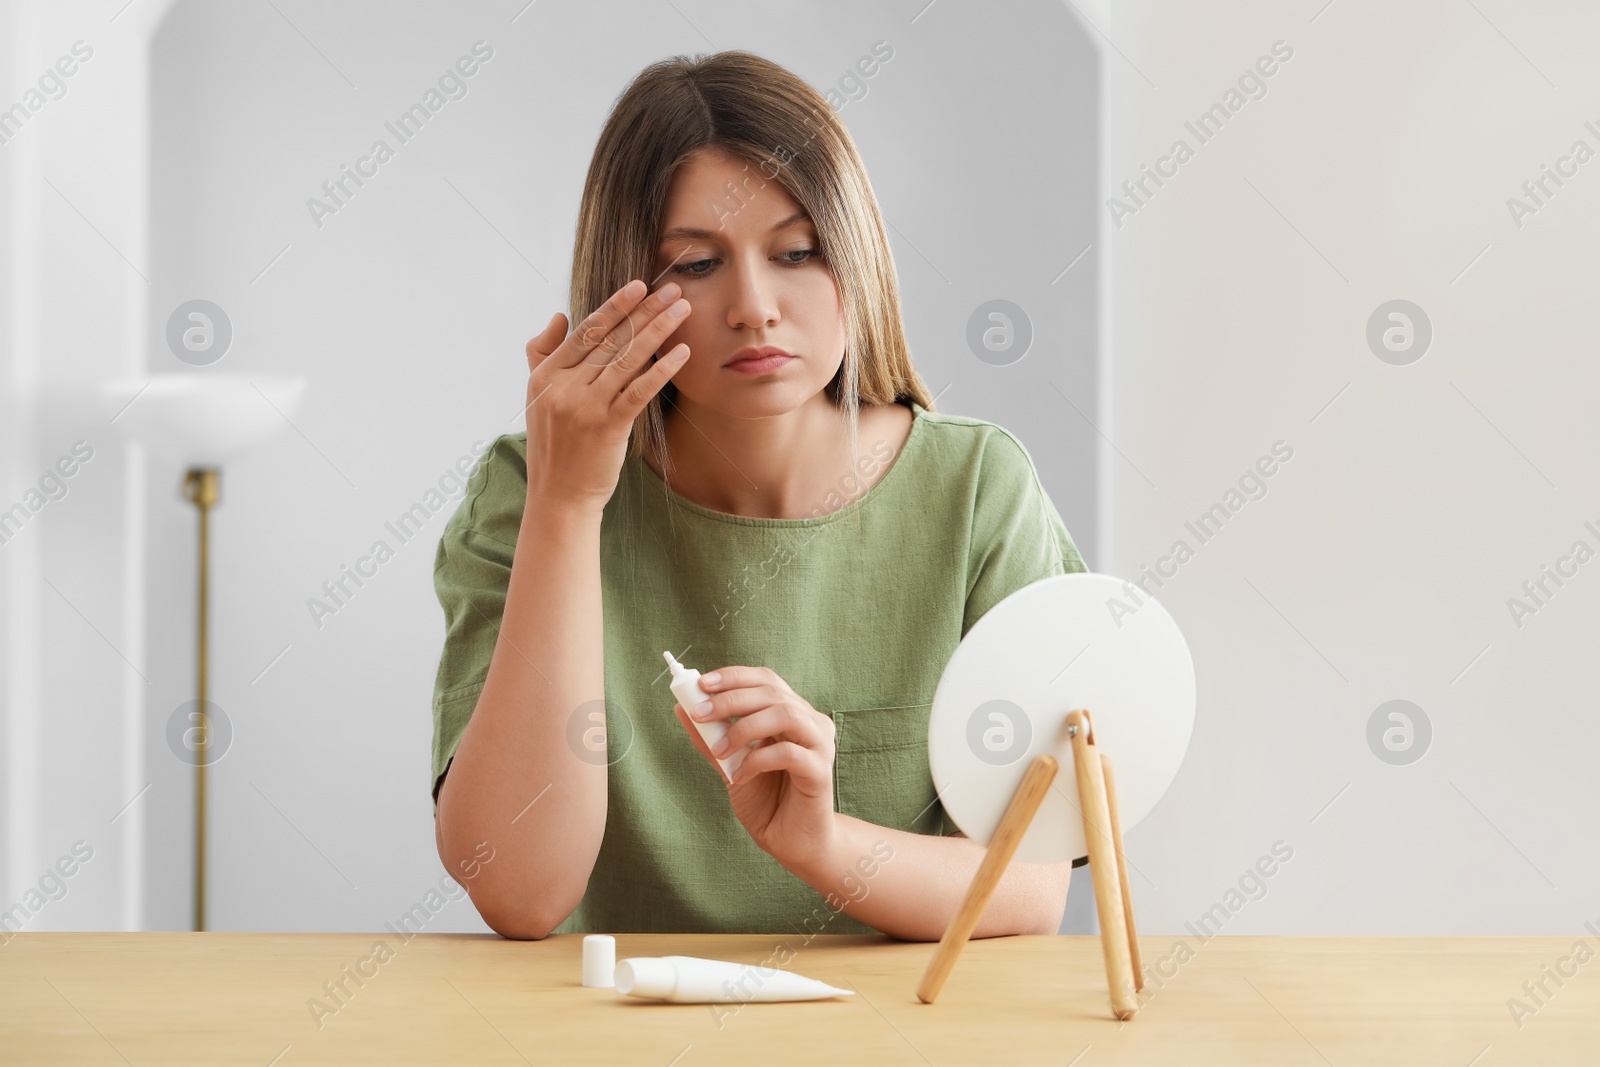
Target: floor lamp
<point x="202" y="420"/>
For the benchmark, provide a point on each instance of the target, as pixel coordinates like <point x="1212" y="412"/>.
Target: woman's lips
<point x="759" y="365"/>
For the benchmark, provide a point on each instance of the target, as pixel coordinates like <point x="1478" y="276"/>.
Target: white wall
<point x="1379" y="564"/>
<point x="1377" y="567"/>
<point x="408" y="309"/>
<point x="75" y="683"/>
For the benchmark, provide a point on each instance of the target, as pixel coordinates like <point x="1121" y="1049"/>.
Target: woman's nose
<point x="753" y="302"/>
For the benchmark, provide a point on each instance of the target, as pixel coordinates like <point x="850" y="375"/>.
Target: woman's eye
<point x="685" y="268"/>
<point x="694" y="270"/>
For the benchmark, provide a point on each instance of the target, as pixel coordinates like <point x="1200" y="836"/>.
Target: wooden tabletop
<point x="249" y="998"/>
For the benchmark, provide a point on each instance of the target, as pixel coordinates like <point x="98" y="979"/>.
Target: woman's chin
<point x="756" y="399"/>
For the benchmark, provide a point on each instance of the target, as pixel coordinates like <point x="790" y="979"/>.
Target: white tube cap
<point x="599" y="960"/>
<point x="647" y="976"/>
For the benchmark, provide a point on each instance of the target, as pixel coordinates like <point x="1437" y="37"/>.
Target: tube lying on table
<point x="695" y="980"/>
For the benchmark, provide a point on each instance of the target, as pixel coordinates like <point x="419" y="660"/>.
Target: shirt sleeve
<point x="471" y="571"/>
<point x="1018" y="537"/>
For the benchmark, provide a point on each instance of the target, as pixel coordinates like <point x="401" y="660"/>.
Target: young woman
<point x="693" y="480"/>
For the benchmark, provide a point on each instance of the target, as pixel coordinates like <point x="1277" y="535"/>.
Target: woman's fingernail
<point x="720" y="748"/>
<point x="701" y="710"/>
<point x="711" y="679"/>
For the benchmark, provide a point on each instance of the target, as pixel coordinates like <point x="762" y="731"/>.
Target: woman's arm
<point x="517" y="785"/>
<point x="913" y="891"/>
<point x="548" y="660"/>
<point x="907" y="885"/>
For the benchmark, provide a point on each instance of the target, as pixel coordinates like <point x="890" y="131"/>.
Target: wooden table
<point x="244" y="998"/>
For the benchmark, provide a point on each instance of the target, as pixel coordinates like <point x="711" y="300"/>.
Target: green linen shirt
<point x="858" y="608"/>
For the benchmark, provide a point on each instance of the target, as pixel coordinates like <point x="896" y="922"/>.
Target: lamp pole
<point x="200" y="487"/>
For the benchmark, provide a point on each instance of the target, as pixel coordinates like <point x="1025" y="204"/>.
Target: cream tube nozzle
<point x="695" y="980"/>
<point x="685" y="685"/>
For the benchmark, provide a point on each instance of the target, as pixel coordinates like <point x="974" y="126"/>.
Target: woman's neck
<point x="777" y="467"/>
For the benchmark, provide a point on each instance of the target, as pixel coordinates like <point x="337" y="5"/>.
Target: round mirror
<point x="1072" y="641"/>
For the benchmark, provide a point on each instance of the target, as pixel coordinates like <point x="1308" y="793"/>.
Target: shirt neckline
<point x="918" y="417"/>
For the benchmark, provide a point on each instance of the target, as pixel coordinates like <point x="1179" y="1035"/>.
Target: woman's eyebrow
<point x="706" y="235"/>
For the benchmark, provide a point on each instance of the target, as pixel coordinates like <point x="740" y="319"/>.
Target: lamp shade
<point x="202" y="420"/>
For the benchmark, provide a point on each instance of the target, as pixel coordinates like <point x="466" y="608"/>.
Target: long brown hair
<point x="786" y="131"/>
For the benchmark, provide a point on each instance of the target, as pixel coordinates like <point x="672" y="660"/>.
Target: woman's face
<point x="747" y="258"/>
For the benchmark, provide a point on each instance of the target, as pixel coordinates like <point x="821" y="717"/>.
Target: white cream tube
<point x="695" y="980"/>
<point x="685" y="685"/>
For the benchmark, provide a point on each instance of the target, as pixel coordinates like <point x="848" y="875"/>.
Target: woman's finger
<point x="633" y="399"/>
<point x="730" y="702"/>
<point x="694" y="734"/>
<point x="595" y="327"/>
<point x="620" y="337"/>
<point x="546" y="341"/>
<point x="738" y="678"/>
<point x="784" y="722"/>
<point x="805" y="767"/>
<point x="631" y="345"/>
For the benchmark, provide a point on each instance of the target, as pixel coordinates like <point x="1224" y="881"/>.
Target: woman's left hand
<point x="783" y="791"/>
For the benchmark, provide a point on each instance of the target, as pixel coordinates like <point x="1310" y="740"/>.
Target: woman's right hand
<point x="586" y="389"/>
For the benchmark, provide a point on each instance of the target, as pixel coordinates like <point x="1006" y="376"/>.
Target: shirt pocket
<point x="881" y="773"/>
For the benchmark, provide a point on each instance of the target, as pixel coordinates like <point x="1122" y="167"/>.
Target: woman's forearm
<point x="909" y="886"/>
<point x="515" y="783"/>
